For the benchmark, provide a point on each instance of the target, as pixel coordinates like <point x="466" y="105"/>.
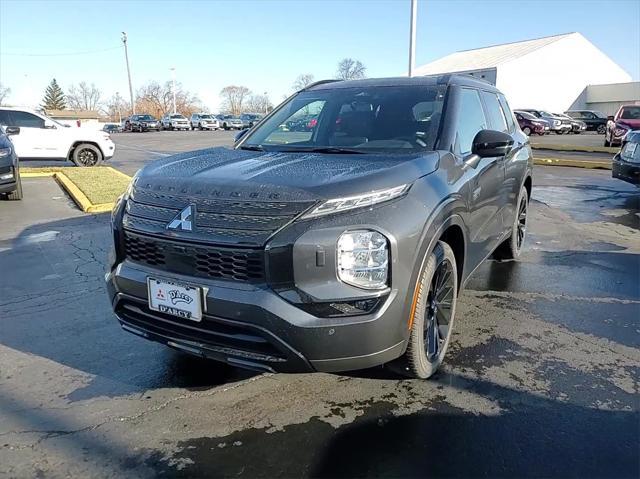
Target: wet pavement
<point x="541" y="378"/>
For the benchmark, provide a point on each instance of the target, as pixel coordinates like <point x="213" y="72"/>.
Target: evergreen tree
<point x="53" y="97"/>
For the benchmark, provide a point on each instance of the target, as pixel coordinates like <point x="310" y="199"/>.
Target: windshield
<point x="207" y="117"/>
<point x="145" y="117"/>
<point x="546" y="113"/>
<point x="391" y="119"/>
<point x="630" y="113"/>
<point x="599" y="114"/>
<point x="179" y="117"/>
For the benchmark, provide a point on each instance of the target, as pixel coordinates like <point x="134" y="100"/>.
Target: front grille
<point x="243" y="265"/>
<point x="237" y="222"/>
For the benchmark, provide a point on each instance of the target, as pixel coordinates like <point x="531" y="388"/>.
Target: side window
<point x="508" y="114"/>
<point x="26" y="120"/>
<point x="494" y="112"/>
<point x="5" y="119"/>
<point x="471" y="120"/>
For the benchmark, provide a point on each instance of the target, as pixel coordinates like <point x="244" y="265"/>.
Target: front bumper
<point x="626" y="171"/>
<point x="251" y="326"/>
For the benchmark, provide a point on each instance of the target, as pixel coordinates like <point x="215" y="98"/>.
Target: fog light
<point x="363" y="259"/>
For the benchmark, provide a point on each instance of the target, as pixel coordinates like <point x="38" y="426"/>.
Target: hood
<point x="633" y="124"/>
<point x="263" y="176"/>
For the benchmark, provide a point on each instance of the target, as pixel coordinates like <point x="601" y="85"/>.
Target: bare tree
<point x="4" y="93"/>
<point x="303" y="81"/>
<point x="350" y="69"/>
<point x="258" y="104"/>
<point x="83" y="97"/>
<point x="116" y="107"/>
<point x="156" y="99"/>
<point x="233" y="98"/>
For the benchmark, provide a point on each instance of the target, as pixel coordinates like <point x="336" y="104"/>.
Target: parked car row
<point x="176" y="121"/>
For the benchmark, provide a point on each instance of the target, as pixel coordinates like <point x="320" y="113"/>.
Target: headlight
<point x="363" y="259"/>
<point x="556" y="122"/>
<point x="4" y="152"/>
<point x="338" y="205"/>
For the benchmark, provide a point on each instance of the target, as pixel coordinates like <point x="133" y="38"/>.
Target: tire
<point x="86" y="154"/>
<point x="526" y="130"/>
<point x="601" y="129"/>
<point x="440" y="276"/>
<point x="511" y="248"/>
<point x="16" y="195"/>
<point x="606" y="140"/>
<point x="225" y="127"/>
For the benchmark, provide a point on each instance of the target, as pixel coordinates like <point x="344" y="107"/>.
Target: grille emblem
<point x="183" y="220"/>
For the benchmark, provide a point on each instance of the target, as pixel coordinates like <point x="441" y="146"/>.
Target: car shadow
<point x="527" y="435"/>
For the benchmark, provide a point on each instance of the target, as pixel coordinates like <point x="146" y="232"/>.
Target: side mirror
<point x="12" y="130"/>
<point x="488" y="143"/>
<point x="240" y="134"/>
<point x="49" y="124"/>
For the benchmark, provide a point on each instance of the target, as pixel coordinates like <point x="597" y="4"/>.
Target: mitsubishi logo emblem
<point x="183" y="220"/>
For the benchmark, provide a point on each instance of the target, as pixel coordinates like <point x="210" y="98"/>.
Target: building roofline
<point x="513" y="43"/>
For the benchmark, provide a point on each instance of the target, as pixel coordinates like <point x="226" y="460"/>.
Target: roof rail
<point x="316" y="83"/>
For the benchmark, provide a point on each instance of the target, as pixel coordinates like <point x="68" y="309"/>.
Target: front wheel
<point x="86" y="154"/>
<point x="526" y="130"/>
<point x="16" y="194"/>
<point x="433" y="313"/>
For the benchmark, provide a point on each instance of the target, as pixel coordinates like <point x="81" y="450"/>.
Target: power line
<point x="87" y="52"/>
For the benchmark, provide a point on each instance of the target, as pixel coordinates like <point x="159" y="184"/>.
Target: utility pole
<point x="173" y="88"/>
<point x="266" y="103"/>
<point x="412" y="36"/>
<point x="126" y="57"/>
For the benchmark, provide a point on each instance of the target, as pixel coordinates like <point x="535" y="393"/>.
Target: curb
<point x="602" y="165"/>
<point x="70" y="187"/>
<point x="580" y="149"/>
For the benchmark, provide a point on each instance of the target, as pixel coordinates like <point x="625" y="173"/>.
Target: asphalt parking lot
<point x="541" y="379"/>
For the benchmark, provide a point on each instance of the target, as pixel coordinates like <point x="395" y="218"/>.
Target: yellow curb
<point x="586" y="149"/>
<point x="70" y="187"/>
<point x="605" y="165"/>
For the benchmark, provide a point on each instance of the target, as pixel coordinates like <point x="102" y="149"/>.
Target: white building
<point x="608" y="98"/>
<point x="549" y="73"/>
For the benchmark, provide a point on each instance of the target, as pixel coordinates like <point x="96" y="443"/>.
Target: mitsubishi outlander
<point x="338" y="246"/>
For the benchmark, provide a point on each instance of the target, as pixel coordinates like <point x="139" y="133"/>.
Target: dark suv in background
<point x="335" y="248"/>
<point x="10" y="184"/>
<point x="142" y="123"/>
<point x="595" y="120"/>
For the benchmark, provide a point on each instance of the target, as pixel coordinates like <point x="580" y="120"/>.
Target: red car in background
<point x="627" y="119"/>
<point x="531" y="124"/>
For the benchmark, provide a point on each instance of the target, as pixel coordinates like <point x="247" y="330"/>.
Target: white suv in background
<point x="43" y="138"/>
<point x="204" y="121"/>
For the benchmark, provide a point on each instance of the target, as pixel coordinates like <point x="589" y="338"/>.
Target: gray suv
<point x="338" y="247"/>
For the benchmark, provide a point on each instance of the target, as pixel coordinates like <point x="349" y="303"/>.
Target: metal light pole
<point x="126" y="56"/>
<point x="173" y="88"/>
<point x="412" y="37"/>
<point x="266" y="103"/>
<point x="119" y="112"/>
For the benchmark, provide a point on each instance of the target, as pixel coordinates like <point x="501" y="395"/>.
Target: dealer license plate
<point x="176" y="299"/>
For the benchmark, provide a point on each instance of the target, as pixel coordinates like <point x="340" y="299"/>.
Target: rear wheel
<point x="601" y="129"/>
<point x="433" y="314"/>
<point x="526" y="130"/>
<point x="606" y="140"/>
<point x="512" y="246"/>
<point x="86" y="154"/>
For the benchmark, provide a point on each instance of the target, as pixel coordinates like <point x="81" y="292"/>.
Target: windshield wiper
<point x="329" y="149"/>
<point x="252" y="147"/>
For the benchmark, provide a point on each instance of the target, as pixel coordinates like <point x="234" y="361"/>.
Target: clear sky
<point x="265" y="44"/>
